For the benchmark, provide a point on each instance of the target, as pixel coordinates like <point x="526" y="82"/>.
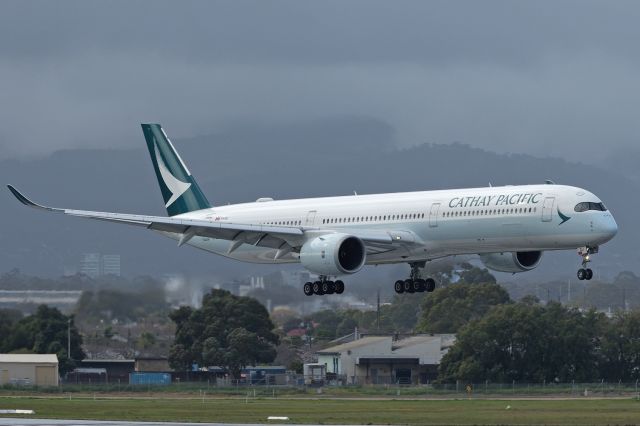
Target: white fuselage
<point x="445" y="222"/>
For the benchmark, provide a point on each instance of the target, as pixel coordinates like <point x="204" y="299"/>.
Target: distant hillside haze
<point x="246" y="161"/>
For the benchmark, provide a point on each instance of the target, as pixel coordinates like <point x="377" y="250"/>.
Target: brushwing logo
<point x="562" y="217"/>
<point x="176" y="186"/>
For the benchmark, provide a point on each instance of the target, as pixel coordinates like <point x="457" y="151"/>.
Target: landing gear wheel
<point x="339" y="287"/>
<point x="408" y="286"/>
<point x="308" y="289"/>
<point x="430" y="284"/>
<point x="589" y="274"/>
<point x="419" y="285"/>
<point x="317" y="288"/>
<point x="328" y="287"/>
<point x="582" y="274"/>
<point x="399" y="287"/>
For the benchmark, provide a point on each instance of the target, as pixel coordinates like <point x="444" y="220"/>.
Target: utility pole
<point x="69" y="338"/>
<point x="378" y="311"/>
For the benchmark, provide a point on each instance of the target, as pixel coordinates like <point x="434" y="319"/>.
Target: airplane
<point x="509" y="227"/>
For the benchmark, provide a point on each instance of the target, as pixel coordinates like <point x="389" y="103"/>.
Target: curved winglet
<point x="27" y="202"/>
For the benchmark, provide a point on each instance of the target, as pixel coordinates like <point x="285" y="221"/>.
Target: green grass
<point x="328" y="411"/>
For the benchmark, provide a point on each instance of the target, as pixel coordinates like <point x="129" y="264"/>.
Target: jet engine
<point x="519" y="261"/>
<point x="333" y="254"/>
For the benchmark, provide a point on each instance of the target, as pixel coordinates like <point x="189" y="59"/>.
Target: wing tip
<point x="26" y="201"/>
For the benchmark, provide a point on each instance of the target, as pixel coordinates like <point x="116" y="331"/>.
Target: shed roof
<point x="423" y="338"/>
<point x="29" y="358"/>
<point x="355" y="344"/>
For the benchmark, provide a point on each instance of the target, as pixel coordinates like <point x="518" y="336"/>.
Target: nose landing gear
<point x="585" y="273"/>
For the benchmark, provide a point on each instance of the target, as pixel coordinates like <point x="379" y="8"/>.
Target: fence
<point x="292" y="384"/>
<point x="384" y="382"/>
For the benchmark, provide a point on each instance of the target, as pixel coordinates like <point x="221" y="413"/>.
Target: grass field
<point x="328" y="411"/>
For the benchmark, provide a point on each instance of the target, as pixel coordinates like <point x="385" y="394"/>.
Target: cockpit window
<point x="583" y="207"/>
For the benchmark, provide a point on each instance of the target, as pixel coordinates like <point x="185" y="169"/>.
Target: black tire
<point x="328" y="287"/>
<point x="317" y="288"/>
<point x="308" y="289"/>
<point x="582" y="274"/>
<point x="339" y="287"/>
<point x="589" y="274"/>
<point x="419" y="285"/>
<point x="408" y="286"/>
<point x="429" y="284"/>
<point x="399" y="286"/>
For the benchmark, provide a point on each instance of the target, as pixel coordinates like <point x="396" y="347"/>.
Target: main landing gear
<point x="585" y="273"/>
<point x="415" y="284"/>
<point x="323" y="286"/>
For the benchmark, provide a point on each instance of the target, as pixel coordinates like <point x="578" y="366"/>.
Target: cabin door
<point x="547" y="209"/>
<point x="311" y="217"/>
<point x="433" y="215"/>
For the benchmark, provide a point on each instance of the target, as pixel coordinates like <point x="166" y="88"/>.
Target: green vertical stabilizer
<point x="179" y="189"/>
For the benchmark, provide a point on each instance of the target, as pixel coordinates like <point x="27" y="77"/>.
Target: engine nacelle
<point x="333" y="254"/>
<point x="519" y="261"/>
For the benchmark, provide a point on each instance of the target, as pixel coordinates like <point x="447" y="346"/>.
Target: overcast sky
<point x="541" y="77"/>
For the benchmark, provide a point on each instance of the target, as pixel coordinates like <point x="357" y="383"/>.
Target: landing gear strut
<point x="415" y="284"/>
<point x="585" y="273"/>
<point x="323" y="286"/>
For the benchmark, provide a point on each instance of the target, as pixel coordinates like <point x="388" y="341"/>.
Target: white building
<point x="29" y="369"/>
<point x="97" y="265"/>
<point x="383" y="359"/>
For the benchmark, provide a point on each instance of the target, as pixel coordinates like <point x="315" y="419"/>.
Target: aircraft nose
<point x="613" y="226"/>
<point x="609" y="227"/>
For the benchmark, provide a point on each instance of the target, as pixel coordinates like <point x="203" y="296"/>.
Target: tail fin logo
<point x="175" y="186"/>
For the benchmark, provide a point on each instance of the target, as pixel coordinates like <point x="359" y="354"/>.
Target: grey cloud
<point x="321" y="32"/>
<point x="548" y="78"/>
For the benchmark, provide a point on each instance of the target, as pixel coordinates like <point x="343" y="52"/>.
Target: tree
<point x="46" y="332"/>
<point x="147" y="340"/>
<point x="525" y="342"/>
<point x="620" y="347"/>
<point x="8" y="318"/>
<point x="449" y="308"/>
<point x="475" y="275"/>
<point x="346" y="326"/>
<point x="228" y="331"/>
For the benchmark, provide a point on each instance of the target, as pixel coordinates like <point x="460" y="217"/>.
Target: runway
<point x="5" y="421"/>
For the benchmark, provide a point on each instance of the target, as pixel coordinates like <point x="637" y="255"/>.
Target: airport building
<point x="386" y="359"/>
<point x="29" y="369"/>
<point x="96" y="265"/>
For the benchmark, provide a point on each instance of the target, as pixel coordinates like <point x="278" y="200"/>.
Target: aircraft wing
<point x="283" y="238"/>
